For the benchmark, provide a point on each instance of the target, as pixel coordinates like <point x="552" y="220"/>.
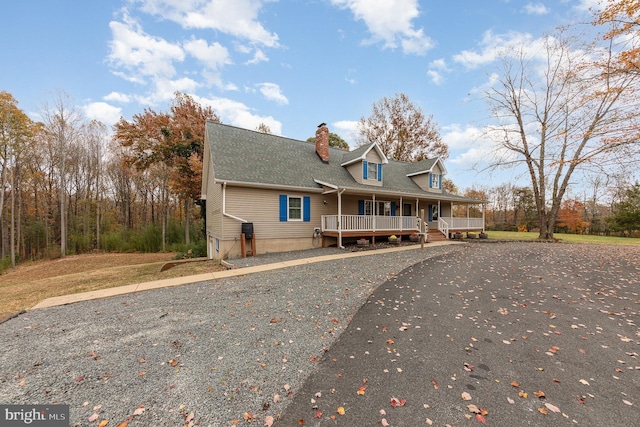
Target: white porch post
<point x="340" y="217"/>
<point x="375" y="211"/>
<point x="468" y="223"/>
<point x="484" y="206"/>
<point x="401" y="213"/>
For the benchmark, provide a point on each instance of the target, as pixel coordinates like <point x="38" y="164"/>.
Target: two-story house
<point x="296" y="195"/>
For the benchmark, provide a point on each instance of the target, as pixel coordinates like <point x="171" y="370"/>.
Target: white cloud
<point x="272" y="92"/>
<point x="436" y="71"/>
<point x="238" y="18"/>
<point x="117" y="97"/>
<point x="136" y="55"/>
<point x="536" y="9"/>
<point x="589" y="5"/>
<point x="258" y="56"/>
<point x="494" y="45"/>
<point x="106" y="113"/>
<point x="346" y="129"/>
<point x="214" y="56"/>
<point x="436" y="77"/>
<point x="390" y="22"/>
<point x="456" y="137"/>
<point x="238" y="114"/>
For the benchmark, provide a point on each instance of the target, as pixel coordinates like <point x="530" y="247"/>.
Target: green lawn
<point x="566" y="238"/>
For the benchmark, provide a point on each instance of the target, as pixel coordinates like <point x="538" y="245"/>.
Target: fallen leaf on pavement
<point x="340" y="410"/>
<point x="466" y="396"/>
<point x="551" y="407"/>
<point x="268" y="421"/>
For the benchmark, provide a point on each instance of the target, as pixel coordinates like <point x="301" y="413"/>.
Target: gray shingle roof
<point x="246" y="156"/>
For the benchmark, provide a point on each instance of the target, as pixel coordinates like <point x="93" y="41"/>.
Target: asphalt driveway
<point x="503" y="334"/>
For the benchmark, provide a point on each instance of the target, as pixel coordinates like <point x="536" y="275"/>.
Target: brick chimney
<point x="322" y="142"/>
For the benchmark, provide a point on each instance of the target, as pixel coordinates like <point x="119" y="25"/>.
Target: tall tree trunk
<point x="187" y="221"/>
<point x="12" y="235"/>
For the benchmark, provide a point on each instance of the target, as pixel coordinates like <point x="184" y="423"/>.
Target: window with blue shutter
<point x="439" y="181"/>
<point x="365" y="170"/>
<point x="379" y="171"/>
<point x="306" y="209"/>
<point x="360" y="207"/>
<point x="284" y="207"/>
<point x="294" y="208"/>
<point x="393" y="208"/>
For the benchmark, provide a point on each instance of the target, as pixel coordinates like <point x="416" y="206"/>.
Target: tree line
<point x="70" y="186"/>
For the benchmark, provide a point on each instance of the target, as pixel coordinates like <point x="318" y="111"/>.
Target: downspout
<point x="340" y="218"/>
<point x="224" y="204"/>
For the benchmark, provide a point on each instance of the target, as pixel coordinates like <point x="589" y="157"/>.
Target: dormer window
<point x="371" y="171"/>
<point x="436" y="181"/>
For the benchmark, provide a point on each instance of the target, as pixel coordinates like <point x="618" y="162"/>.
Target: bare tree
<point x="558" y="114"/>
<point x="62" y="122"/>
<point x="401" y="130"/>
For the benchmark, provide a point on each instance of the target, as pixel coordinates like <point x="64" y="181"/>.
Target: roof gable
<point x="425" y="166"/>
<point x="360" y="154"/>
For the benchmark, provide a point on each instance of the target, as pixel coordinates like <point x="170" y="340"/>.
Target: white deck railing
<point x="448" y="224"/>
<point x="370" y="223"/>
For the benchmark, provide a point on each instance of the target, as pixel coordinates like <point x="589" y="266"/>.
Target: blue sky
<point x="290" y="64"/>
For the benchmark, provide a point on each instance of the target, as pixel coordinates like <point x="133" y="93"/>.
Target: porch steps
<point x="436" y="236"/>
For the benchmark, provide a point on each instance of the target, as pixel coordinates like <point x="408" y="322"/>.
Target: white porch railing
<point x="448" y="224"/>
<point x="370" y="223"/>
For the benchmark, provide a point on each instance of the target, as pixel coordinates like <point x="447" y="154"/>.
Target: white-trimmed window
<point x="372" y="172"/>
<point x="295" y="208"/>
<point x="435" y="180"/>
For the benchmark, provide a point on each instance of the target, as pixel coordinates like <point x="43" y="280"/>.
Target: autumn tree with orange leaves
<point x="174" y="140"/>
<point x="402" y="130"/>
<point x="571" y="216"/>
<point x="621" y="20"/>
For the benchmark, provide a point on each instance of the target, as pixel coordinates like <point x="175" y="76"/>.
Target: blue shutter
<point x="306" y="208"/>
<point x="365" y="172"/>
<point x="439" y="181"/>
<point x="430" y="182"/>
<point x="283" y="207"/>
<point x="360" y="207"/>
<point x="430" y="213"/>
<point x="393" y="208"/>
<point x="379" y="171"/>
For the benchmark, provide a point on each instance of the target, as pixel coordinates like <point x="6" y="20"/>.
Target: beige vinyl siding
<point x="372" y="156"/>
<point x="262" y="208"/>
<point x="422" y="181"/>
<point x="355" y="170"/>
<point x="214" y="204"/>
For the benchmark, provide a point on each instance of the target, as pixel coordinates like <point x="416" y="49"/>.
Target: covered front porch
<point x="377" y="215"/>
<point x="374" y="225"/>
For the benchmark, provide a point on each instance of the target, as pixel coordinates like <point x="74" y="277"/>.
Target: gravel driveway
<point x="207" y="354"/>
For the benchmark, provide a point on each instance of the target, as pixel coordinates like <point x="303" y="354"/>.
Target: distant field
<point x="567" y="238"/>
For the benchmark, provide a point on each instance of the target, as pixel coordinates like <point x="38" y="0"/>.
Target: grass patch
<point x="567" y="238"/>
<point x="33" y="282"/>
